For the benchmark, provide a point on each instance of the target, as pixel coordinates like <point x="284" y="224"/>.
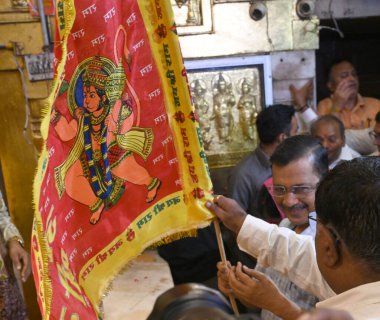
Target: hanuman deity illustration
<point x="103" y="108"/>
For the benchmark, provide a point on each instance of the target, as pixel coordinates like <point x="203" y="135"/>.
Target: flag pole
<point x="223" y="257"/>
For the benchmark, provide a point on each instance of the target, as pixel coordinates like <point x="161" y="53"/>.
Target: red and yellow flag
<point x="123" y="165"/>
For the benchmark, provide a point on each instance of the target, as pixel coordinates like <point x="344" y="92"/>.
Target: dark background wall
<point x="361" y="43"/>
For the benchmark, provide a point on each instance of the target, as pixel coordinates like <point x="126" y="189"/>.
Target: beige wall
<point x="233" y="32"/>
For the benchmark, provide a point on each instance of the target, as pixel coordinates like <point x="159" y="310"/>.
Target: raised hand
<point x="301" y="95"/>
<point x="345" y="91"/>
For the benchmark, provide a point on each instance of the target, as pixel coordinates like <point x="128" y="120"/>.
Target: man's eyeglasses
<point x="312" y="218"/>
<point x="301" y="190"/>
<point x="374" y="135"/>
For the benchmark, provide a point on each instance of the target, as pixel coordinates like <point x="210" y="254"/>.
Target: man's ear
<point x="328" y="247"/>
<point x="281" y="137"/>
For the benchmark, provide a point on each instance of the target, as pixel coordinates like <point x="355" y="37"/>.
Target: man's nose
<point x="352" y="77"/>
<point x="290" y="199"/>
<point x="325" y="144"/>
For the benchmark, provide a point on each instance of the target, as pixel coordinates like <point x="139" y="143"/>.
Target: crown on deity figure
<point x="95" y="74"/>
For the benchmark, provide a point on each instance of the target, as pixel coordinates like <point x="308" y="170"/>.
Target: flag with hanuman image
<point x="123" y="165"/>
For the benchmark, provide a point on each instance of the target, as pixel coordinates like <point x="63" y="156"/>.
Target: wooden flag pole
<point x="223" y="257"/>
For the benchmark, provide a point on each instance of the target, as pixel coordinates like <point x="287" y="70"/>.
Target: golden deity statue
<point x="198" y="92"/>
<point x="224" y="101"/>
<point x="248" y="110"/>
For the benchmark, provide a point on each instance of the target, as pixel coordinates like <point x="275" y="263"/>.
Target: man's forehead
<point x="297" y="167"/>
<point x="330" y="126"/>
<point x="343" y="66"/>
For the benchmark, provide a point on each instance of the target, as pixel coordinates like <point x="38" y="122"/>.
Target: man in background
<point x="355" y="111"/>
<point x="330" y="131"/>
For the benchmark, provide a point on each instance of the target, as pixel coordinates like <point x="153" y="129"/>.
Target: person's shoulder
<point x="371" y="102"/>
<point x="239" y="171"/>
<point x="372" y="99"/>
<point x="285" y="223"/>
<point x="351" y="152"/>
<point x="324" y="106"/>
<point x="247" y="161"/>
<point x="243" y="173"/>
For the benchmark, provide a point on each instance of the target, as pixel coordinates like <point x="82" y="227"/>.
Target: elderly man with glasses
<point x="298" y="164"/>
<point x="342" y="266"/>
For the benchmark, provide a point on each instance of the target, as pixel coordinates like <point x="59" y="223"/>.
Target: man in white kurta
<point x="342" y="268"/>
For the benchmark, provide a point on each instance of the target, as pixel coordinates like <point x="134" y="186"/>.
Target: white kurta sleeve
<point x="285" y="251"/>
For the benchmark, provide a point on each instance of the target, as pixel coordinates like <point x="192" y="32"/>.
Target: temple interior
<point x="241" y="56"/>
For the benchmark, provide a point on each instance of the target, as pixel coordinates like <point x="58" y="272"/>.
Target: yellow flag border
<point x="68" y="15"/>
<point x="66" y="7"/>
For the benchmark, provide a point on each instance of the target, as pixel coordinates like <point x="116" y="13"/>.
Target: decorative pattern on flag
<point x="123" y="166"/>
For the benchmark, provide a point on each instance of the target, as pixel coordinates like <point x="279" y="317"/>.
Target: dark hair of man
<point x="336" y="62"/>
<point x="377" y="117"/>
<point x="328" y="118"/>
<point x="348" y="200"/>
<point x="272" y="121"/>
<point x="298" y="147"/>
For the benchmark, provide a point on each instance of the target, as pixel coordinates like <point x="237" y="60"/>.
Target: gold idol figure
<point x="247" y="110"/>
<point x="224" y="100"/>
<point x="198" y="90"/>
